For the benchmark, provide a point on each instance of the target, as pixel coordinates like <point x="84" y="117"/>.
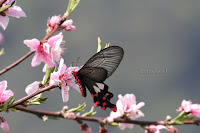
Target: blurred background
<point x="160" y="66"/>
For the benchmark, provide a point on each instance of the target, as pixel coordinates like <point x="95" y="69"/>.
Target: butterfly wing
<point x="97" y="74"/>
<point x="108" y="58"/>
<point x="100" y="94"/>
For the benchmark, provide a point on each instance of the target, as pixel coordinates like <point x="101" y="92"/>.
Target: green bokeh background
<point x="156" y="35"/>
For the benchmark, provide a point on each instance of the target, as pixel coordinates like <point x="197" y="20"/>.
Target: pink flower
<point x="155" y="128"/>
<point x="4" y="94"/>
<point x="85" y="128"/>
<point x="54" y="20"/>
<point x="188" y="107"/>
<point x="64" y="78"/>
<point x="48" y="52"/>
<point x="67" y="25"/>
<point x="4" y="125"/>
<point x="127" y="106"/>
<point x="14" y="11"/>
<point x="32" y="88"/>
<point x="195" y="110"/>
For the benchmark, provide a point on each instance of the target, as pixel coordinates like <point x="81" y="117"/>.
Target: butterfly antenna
<point x="77" y="61"/>
<point x="72" y="64"/>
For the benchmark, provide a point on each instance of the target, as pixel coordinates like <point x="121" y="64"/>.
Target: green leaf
<point x="15" y="110"/>
<point x="4" y="8"/>
<point x="4" y="107"/>
<point x="107" y="45"/>
<point x="53" y="118"/>
<point x="7" y="104"/>
<point x="38" y="101"/>
<point x="178" y="122"/>
<point x="114" y="124"/>
<point x="90" y="113"/>
<point x="78" y="109"/>
<point x="2" y="52"/>
<point x="99" y="45"/>
<point x="48" y="74"/>
<point x="71" y="6"/>
<point x="180" y="116"/>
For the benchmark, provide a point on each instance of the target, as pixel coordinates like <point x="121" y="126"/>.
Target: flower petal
<point x="33" y="44"/>
<point x="62" y="67"/>
<point x="65" y="93"/>
<point x="36" y="59"/>
<point x="73" y="85"/>
<point x="4" y="20"/>
<point x="3" y="86"/>
<point x="55" y="41"/>
<point x="15" y="11"/>
<point x="32" y="88"/>
<point x="6" y="95"/>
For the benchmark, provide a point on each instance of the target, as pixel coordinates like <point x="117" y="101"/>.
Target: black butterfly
<point x="96" y="70"/>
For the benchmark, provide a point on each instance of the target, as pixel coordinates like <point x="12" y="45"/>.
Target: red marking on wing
<point x="96" y="103"/>
<point x="94" y="95"/>
<point x="79" y="83"/>
<point x="114" y="108"/>
<point x="104" y="105"/>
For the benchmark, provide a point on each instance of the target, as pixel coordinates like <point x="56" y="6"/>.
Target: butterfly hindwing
<point x="81" y="84"/>
<point x="100" y="94"/>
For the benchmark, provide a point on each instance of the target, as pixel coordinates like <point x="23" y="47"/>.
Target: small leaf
<point x="53" y="118"/>
<point x="99" y="45"/>
<point x="15" y="110"/>
<point x="48" y="74"/>
<point x="78" y="109"/>
<point x="2" y="52"/>
<point x="38" y="101"/>
<point x="71" y="6"/>
<point x="107" y="45"/>
<point x="90" y="113"/>
<point x="4" y="106"/>
<point x="180" y="116"/>
<point x="4" y="8"/>
<point x="178" y="122"/>
<point x="114" y="124"/>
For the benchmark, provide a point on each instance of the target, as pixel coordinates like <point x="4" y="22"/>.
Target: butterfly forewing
<point x="108" y="59"/>
<point x="95" y="73"/>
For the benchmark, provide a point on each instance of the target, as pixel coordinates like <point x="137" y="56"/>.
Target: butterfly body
<point x="95" y="71"/>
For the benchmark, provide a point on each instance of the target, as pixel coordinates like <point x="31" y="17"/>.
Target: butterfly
<point x="95" y="71"/>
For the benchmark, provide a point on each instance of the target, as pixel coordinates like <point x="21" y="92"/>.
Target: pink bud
<point x="4" y="125"/>
<point x="85" y="128"/>
<point x="103" y="130"/>
<point x="173" y="130"/>
<point x="71" y="115"/>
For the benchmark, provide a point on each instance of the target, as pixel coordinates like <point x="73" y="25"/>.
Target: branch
<point x="20" y="101"/>
<point x="17" y="62"/>
<point x="97" y="119"/>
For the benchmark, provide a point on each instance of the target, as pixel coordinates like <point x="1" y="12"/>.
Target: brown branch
<point x="20" y="101"/>
<point x="97" y="119"/>
<point x="16" y="63"/>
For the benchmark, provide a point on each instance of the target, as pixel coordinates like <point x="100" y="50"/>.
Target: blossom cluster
<point x="9" y="8"/>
